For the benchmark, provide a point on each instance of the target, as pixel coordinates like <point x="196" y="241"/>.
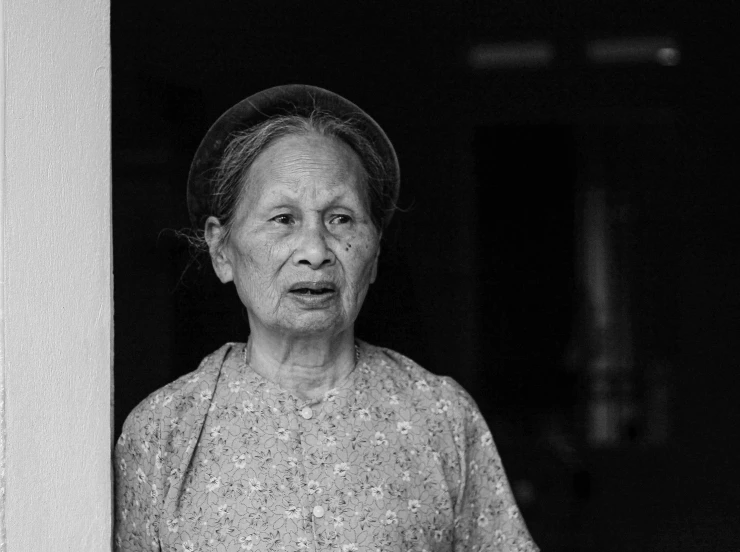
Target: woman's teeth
<point x="306" y="291"/>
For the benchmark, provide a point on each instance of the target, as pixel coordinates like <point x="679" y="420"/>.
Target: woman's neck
<point x="307" y="367"/>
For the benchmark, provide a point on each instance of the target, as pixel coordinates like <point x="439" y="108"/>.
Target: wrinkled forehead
<point x="307" y="165"/>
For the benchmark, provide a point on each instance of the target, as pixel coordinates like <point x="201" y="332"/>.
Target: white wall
<point x="56" y="275"/>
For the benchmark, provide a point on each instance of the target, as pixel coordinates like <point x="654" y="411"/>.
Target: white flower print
<point x="499" y="487"/>
<point x="391" y="517"/>
<point x="240" y="461"/>
<point x="377" y="492"/>
<point x="498" y="535"/>
<point x="213" y="484"/>
<point x="443" y="405"/>
<point x="351" y="547"/>
<point x="403" y="427"/>
<point x="247" y="542"/>
<point x="513" y="512"/>
<point x="216" y="431"/>
<point x="188" y="546"/>
<point x="140" y="475"/>
<point x="292" y="461"/>
<point x="302" y="543"/>
<point x="486" y="439"/>
<point x="167" y="400"/>
<point x="330" y="395"/>
<point x="393" y="399"/>
<point x="122" y="465"/>
<point x="173" y="525"/>
<point x="222" y="510"/>
<point x="422" y="385"/>
<point x="414" y="505"/>
<point x="363" y="414"/>
<point x="341" y="469"/>
<point x="380" y="439"/>
<point x="205" y="396"/>
<point x="313" y="487"/>
<point x="174" y="476"/>
<point x="282" y="434"/>
<point x="293" y="512"/>
<point x="235" y="386"/>
<point x="482" y="520"/>
<point x="247" y="406"/>
<point x="406" y="475"/>
<point x="338" y="522"/>
<point x="254" y="484"/>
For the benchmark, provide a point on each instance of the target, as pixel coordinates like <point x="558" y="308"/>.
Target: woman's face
<point x="302" y="250"/>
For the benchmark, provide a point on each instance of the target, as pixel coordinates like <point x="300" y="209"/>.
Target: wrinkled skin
<point x="304" y="217"/>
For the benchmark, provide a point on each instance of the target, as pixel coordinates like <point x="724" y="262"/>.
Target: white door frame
<point x="55" y="276"/>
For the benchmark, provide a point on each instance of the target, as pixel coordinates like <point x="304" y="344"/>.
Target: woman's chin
<point x="313" y="323"/>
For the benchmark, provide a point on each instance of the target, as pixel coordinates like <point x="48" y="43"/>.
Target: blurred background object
<point x="568" y="250"/>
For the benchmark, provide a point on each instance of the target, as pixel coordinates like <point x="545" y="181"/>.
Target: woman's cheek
<point x="363" y="259"/>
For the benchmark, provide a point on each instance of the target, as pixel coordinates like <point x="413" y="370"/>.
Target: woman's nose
<point x="313" y="249"/>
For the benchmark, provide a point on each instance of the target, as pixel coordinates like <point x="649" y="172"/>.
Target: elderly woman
<point x="304" y="437"/>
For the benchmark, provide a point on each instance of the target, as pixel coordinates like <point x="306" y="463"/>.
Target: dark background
<point x="482" y="276"/>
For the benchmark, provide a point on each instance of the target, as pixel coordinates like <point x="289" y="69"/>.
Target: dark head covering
<point x="292" y="99"/>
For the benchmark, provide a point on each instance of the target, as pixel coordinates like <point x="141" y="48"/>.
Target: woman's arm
<point x="486" y="515"/>
<point x="138" y="493"/>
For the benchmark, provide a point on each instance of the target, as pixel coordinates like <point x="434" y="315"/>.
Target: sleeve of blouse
<point x="487" y="517"/>
<point x="137" y="459"/>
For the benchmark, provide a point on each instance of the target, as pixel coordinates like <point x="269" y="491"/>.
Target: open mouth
<point x="311" y="289"/>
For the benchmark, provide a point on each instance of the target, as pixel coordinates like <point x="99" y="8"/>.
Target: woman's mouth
<point x="313" y="287"/>
<point x="313" y="293"/>
<point x="309" y="291"/>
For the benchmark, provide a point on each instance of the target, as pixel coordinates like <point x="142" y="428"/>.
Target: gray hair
<point x="232" y="174"/>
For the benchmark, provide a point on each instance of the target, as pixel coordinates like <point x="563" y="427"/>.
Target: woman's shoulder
<point x="184" y="393"/>
<point x="409" y="375"/>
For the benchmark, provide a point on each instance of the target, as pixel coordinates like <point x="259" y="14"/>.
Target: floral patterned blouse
<point x="394" y="459"/>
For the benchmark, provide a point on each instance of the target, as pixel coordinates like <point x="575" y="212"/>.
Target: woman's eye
<point x="341" y="219"/>
<point x="284" y="219"/>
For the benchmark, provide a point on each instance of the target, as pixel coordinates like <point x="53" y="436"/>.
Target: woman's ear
<point x="214" y="234"/>
<point x="374" y="273"/>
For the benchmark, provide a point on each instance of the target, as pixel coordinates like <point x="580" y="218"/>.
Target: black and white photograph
<point x="369" y="276"/>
